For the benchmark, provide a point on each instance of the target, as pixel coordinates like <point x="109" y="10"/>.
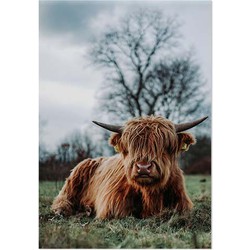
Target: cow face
<point x="150" y="146"/>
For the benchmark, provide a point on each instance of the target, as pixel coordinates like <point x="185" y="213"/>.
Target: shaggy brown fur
<point x="112" y="188"/>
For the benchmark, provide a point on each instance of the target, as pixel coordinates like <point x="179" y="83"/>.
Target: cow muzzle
<point x="145" y="172"/>
<point x="144" y="168"/>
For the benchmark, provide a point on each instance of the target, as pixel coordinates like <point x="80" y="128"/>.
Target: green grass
<point x="167" y="231"/>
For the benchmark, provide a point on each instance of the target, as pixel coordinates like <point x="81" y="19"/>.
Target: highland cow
<point x="142" y="180"/>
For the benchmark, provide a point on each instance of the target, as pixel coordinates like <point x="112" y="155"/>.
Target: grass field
<point x="167" y="231"/>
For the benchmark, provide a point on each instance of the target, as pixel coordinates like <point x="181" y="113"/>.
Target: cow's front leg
<point x="175" y="195"/>
<point x="62" y="204"/>
<point x="70" y="197"/>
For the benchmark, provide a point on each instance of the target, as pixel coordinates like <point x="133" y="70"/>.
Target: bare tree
<point x="142" y="78"/>
<point x="174" y="89"/>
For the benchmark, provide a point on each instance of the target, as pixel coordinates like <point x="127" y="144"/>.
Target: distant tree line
<point x="56" y="166"/>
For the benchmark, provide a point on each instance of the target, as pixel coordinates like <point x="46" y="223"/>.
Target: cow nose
<point x="143" y="167"/>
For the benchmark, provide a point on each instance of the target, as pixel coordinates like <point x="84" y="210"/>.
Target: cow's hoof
<point x="88" y="210"/>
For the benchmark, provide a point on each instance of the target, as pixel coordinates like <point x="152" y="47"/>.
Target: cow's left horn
<point x="113" y="128"/>
<point x="188" y="125"/>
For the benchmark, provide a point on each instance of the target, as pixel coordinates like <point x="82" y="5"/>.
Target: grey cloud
<point x="71" y="17"/>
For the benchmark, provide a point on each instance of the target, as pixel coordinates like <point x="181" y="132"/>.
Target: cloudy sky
<point x="68" y="83"/>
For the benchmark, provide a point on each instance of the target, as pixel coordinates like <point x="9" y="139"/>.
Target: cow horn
<point x="113" y="128"/>
<point x="185" y="126"/>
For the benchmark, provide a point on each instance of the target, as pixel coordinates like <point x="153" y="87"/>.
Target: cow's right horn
<point x="113" y="128"/>
<point x="188" y="125"/>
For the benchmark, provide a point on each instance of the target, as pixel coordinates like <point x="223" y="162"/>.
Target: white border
<point x="230" y="182"/>
<point x="19" y="124"/>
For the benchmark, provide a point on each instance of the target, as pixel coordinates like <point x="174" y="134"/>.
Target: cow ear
<point x="185" y="140"/>
<point x="114" y="141"/>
